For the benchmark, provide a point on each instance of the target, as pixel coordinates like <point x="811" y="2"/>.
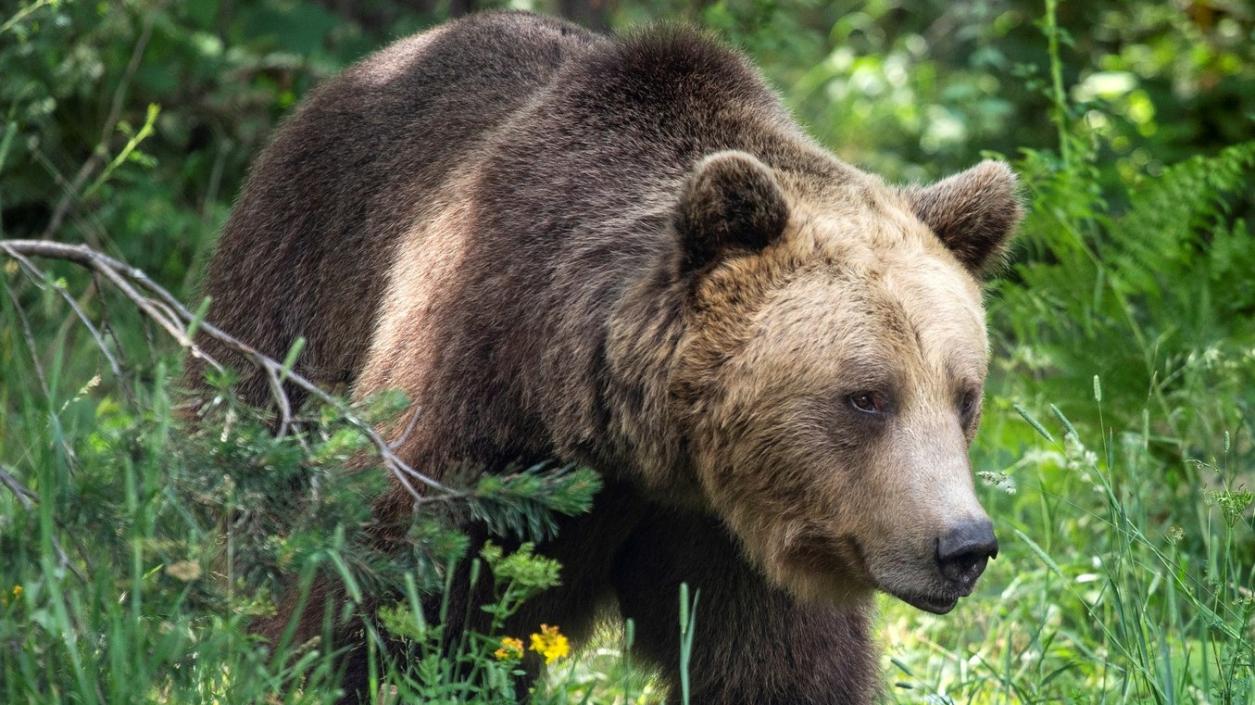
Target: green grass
<point x="1115" y="454"/>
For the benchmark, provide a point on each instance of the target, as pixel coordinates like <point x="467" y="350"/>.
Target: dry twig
<point x="28" y="500"/>
<point x="172" y="316"/>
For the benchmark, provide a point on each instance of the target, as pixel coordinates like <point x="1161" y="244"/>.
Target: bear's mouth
<point x="929" y="602"/>
<point x="843" y="562"/>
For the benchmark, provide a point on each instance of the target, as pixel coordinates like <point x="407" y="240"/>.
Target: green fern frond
<point x="1159" y="232"/>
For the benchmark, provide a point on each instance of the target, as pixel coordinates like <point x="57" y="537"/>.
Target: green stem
<point x="1060" y="113"/>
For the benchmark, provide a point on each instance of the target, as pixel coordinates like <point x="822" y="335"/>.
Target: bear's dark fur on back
<point x="308" y="245"/>
<point x="566" y="152"/>
<point x="573" y="129"/>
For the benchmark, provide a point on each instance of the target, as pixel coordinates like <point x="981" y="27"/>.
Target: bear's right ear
<point x="974" y="213"/>
<point x="731" y="202"/>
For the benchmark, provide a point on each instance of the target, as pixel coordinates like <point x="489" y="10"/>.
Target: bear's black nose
<point x="963" y="551"/>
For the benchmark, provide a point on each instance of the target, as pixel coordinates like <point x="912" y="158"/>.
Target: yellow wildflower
<point x="550" y="643"/>
<point x="17" y="591"/>
<point x="511" y="649"/>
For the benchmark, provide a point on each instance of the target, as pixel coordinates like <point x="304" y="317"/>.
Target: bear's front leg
<point x="753" y="642"/>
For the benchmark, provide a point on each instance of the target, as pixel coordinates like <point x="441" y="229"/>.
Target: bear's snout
<point x="963" y="552"/>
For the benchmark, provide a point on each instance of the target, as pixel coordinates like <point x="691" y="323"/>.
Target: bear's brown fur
<point x="623" y="253"/>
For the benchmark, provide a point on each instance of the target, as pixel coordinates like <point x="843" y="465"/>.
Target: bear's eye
<point x="869" y="402"/>
<point x="967" y="405"/>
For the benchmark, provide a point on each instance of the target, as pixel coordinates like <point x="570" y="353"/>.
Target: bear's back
<point x="308" y="245"/>
<point x="481" y="217"/>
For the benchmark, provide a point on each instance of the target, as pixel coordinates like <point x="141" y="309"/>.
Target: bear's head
<point x="830" y="378"/>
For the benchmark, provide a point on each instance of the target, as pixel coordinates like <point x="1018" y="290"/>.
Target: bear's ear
<point x="973" y="212"/>
<point x="731" y="202"/>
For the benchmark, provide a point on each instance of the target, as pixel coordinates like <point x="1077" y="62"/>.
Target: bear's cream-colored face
<point x="832" y="381"/>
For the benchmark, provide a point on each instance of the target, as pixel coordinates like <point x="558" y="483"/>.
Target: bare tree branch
<point x="175" y="318"/>
<point x="28" y="500"/>
<point x="33" y="351"/>
<point x="24" y="496"/>
<point x="36" y="276"/>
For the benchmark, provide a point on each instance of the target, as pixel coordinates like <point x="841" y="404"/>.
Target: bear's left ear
<point x="731" y="202"/>
<point x="973" y="212"/>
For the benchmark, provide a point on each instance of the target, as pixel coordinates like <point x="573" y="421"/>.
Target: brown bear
<point x="623" y="252"/>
